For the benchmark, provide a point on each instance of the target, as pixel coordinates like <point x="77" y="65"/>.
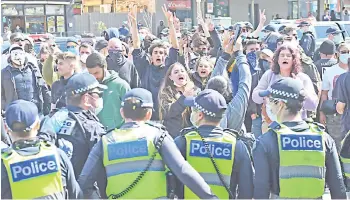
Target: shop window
<point x="124" y="5"/>
<point x="221" y="8"/>
<point x="35" y="25"/>
<point x="51" y="28"/>
<point x="54" y="9"/>
<point x="12" y="10"/>
<point x="60" y="24"/>
<point x="34" y="10"/>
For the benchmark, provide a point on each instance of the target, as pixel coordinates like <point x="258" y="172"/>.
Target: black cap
<point x="16" y="35"/>
<point x="269" y="28"/>
<point x="81" y="83"/>
<point x="143" y="95"/>
<point x="304" y="23"/>
<point x="333" y="30"/>
<point x="101" y="44"/>
<point x="208" y="101"/>
<point x="21" y="111"/>
<point x="328" y="47"/>
<point x="248" y="25"/>
<point x="281" y="28"/>
<point x="285" y="89"/>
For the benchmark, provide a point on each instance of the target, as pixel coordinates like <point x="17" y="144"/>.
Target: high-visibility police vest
<point x="302" y="162"/>
<point x="126" y="153"/>
<point x="223" y="151"/>
<point x="345" y="161"/>
<point x="34" y="176"/>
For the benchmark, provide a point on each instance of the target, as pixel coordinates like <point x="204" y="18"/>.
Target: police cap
<point x="143" y="95"/>
<point x="81" y="83"/>
<point x="21" y="111"/>
<point x="285" y="89"/>
<point x="208" y="101"/>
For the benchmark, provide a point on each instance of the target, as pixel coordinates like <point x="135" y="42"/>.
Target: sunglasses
<point x="344" y="52"/>
<point x="18" y="40"/>
<point x="70" y="47"/>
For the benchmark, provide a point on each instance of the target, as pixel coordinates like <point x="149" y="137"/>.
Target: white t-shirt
<point x="330" y="77"/>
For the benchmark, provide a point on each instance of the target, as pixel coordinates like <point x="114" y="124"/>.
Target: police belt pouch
<point x="144" y="171"/>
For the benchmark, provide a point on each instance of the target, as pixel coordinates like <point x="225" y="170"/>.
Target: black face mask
<point x="264" y="64"/>
<point x="202" y="52"/>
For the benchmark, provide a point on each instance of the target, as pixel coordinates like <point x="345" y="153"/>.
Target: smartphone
<point x="238" y="32"/>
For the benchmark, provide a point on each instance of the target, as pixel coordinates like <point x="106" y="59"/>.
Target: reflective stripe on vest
<point x="222" y="149"/>
<point x="52" y="196"/>
<point x="302" y="162"/>
<point x="302" y="172"/>
<point x="126" y="153"/>
<point x="34" y="176"/>
<point x="133" y="166"/>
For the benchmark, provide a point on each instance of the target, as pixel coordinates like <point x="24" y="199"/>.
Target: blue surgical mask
<point x="343" y="58"/>
<point x="337" y="39"/>
<point x="264" y="64"/>
<point x="141" y="37"/>
<point x="73" y="50"/>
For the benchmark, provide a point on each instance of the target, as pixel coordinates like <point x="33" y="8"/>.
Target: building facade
<point x="37" y="17"/>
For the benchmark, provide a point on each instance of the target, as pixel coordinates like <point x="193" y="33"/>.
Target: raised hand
<point x="132" y="16"/>
<point x="262" y="16"/>
<point x="168" y="14"/>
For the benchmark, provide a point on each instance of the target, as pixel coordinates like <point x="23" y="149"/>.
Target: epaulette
<point x="320" y="126"/>
<point x="156" y="125"/>
<point x="6" y="151"/>
<point x="275" y="125"/>
<point x="184" y="131"/>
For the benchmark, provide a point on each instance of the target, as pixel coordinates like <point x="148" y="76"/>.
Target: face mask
<point x="343" y="58"/>
<point x="269" y="113"/>
<point x="18" y="57"/>
<point x="264" y="64"/>
<point x="83" y="58"/>
<point x="100" y="106"/>
<point x="73" y="50"/>
<point x="337" y="39"/>
<point x="251" y="57"/>
<point x="141" y="37"/>
<point x="165" y="39"/>
<point x="202" y="52"/>
<point x="193" y="119"/>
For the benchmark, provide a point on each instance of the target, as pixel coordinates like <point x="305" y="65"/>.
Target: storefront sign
<point x="174" y="5"/>
<point x="210" y="7"/>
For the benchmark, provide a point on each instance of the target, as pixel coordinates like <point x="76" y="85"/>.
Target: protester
<point x="109" y="114"/>
<point x="176" y="86"/>
<point x="85" y="50"/>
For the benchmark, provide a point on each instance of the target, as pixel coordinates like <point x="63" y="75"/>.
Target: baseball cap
<point x="143" y="95"/>
<point x="328" y="47"/>
<point x="14" y="47"/>
<point x="269" y="28"/>
<point x="285" y="89"/>
<point x="101" y="44"/>
<point x="72" y="39"/>
<point x="303" y="23"/>
<point x="21" y="111"/>
<point x="248" y="25"/>
<point x="81" y="83"/>
<point x="219" y="28"/>
<point x="268" y="52"/>
<point x="208" y="101"/>
<point x="281" y="28"/>
<point x="333" y="30"/>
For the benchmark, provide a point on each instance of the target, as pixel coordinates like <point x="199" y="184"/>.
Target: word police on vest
<point x="130" y="149"/>
<point x="302" y="142"/>
<point x="33" y="168"/>
<point x="218" y="150"/>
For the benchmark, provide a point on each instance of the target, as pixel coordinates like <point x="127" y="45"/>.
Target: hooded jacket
<point x="110" y="116"/>
<point x="111" y="33"/>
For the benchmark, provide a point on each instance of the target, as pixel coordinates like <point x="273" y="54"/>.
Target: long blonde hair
<point x="167" y="91"/>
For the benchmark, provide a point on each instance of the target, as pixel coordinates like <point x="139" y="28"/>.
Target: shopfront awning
<point x="60" y="2"/>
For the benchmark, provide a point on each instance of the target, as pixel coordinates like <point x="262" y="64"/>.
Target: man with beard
<point x="116" y="61"/>
<point x="116" y="88"/>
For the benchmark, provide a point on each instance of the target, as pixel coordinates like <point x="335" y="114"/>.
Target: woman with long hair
<point x="175" y="87"/>
<point x="286" y="63"/>
<point x="202" y="72"/>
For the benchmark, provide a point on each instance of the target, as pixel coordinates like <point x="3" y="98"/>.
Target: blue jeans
<point x="256" y="127"/>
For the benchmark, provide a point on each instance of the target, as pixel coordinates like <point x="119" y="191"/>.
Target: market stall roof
<point x="37" y="1"/>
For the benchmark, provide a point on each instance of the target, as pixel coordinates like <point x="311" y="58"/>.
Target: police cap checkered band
<point x="82" y="83"/>
<point x="284" y="94"/>
<point x="285" y="88"/>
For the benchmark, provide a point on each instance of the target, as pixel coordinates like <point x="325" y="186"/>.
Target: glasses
<point x="344" y="52"/>
<point x="18" y="40"/>
<point x="70" y="47"/>
<point x="276" y="100"/>
<point x="93" y="94"/>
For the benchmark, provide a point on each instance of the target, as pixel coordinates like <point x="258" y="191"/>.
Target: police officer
<point x="81" y="128"/>
<point x="345" y="160"/>
<point x="229" y="164"/>
<point x="294" y="159"/>
<point x="31" y="167"/>
<point x="132" y="159"/>
<point x="307" y="41"/>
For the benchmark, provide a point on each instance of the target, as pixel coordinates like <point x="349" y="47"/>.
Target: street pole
<point x="252" y="14"/>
